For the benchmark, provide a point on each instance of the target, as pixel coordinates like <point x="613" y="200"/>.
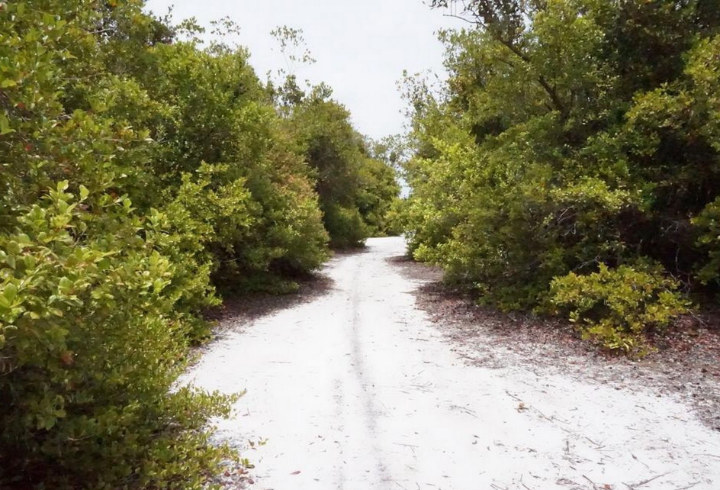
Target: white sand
<point x="357" y="390"/>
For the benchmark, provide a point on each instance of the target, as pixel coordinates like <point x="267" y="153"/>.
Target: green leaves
<point x="84" y="193"/>
<point x="9" y="294"/>
<point x="92" y="331"/>
<point x="585" y="135"/>
<point x="616" y="306"/>
<point x="354" y="191"/>
<point x="708" y="225"/>
<point x="5" y="125"/>
<point x="138" y="174"/>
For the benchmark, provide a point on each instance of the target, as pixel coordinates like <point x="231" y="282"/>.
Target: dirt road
<point x="354" y="389"/>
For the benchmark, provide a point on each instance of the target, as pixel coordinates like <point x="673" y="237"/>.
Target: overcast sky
<point x="361" y="46"/>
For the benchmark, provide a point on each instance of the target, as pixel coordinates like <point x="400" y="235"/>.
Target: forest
<point x="144" y="174"/>
<point x="570" y="165"/>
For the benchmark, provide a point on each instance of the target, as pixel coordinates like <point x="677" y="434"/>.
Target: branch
<point x="453" y="16"/>
<point x="551" y="92"/>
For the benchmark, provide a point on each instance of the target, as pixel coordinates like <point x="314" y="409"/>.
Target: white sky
<point x="361" y="46"/>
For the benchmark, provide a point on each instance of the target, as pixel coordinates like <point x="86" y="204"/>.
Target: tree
<point x="355" y="190"/>
<point x="571" y="134"/>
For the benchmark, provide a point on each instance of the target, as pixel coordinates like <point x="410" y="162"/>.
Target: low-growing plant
<point x="617" y="306"/>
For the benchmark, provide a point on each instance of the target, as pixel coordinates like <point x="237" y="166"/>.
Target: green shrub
<point x="91" y="345"/>
<point x="376" y="196"/>
<point x="616" y="307"/>
<point x="354" y="190"/>
<point x="708" y="223"/>
<point x="345" y="226"/>
<point x="584" y="132"/>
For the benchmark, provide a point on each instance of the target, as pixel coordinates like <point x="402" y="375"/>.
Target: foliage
<point x="377" y="191"/>
<point x="220" y="119"/>
<point x="178" y="175"/>
<point x="91" y="345"/>
<point x="709" y="222"/>
<point x="355" y="190"/>
<point x="616" y="306"/>
<point x="570" y="134"/>
<point x="346" y="225"/>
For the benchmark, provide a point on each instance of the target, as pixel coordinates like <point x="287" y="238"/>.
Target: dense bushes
<point x="354" y="189"/>
<point x="138" y="173"/>
<point x="572" y="135"/>
<point x="615" y="307"/>
<point x="91" y="344"/>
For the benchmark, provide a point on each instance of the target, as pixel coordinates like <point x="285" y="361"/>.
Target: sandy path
<point x="356" y="390"/>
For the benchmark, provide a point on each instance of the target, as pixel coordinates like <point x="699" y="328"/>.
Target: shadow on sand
<point x="415" y="271"/>
<point x="240" y="309"/>
<point x="243" y="308"/>
<point x="349" y="252"/>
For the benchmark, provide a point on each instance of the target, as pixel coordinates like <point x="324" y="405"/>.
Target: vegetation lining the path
<point x="140" y="169"/>
<point x="571" y="164"/>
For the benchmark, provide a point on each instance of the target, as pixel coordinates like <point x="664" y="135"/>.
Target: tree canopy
<point x="355" y="189"/>
<point x="572" y="135"/>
